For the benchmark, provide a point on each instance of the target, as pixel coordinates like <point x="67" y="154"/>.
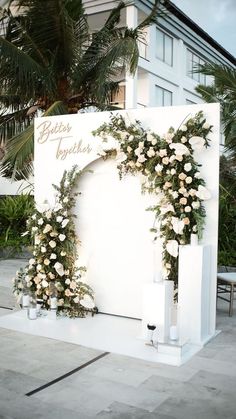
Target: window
<point x="164" y="51"/>
<point x="163" y="97"/>
<point x="193" y="62"/>
<point x="190" y="102"/>
<point x="118" y="98"/>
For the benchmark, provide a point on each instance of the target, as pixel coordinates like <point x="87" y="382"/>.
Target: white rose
<point x="187" y="167"/>
<point x="32" y="261"/>
<point x="154" y="141"/>
<point x="46" y="262"/>
<point x="76" y="300"/>
<point x="129" y="149"/>
<point x="162" y="152"/>
<point x="203" y="193"/>
<point x="34" y="217"/>
<point x="131" y="137"/>
<point x="40" y="221"/>
<point x="168" y="137"/>
<point x="39" y="267"/>
<point x="59" y="268"/>
<point x="172" y="158"/>
<point x="151" y="152"/>
<point x="206" y="125"/>
<point x="141" y="158"/>
<point x="34" y="229"/>
<point x="183" y="140"/>
<point x="57" y="207"/>
<point x="67" y="281"/>
<point x="188" y="180"/>
<point x="197" y="175"/>
<point x="196" y="204"/>
<point x="63" y="253"/>
<point x="175" y="194"/>
<point x="53" y="256"/>
<point x="182" y="176"/>
<point x="47" y="228"/>
<point x="59" y="218"/>
<point x="197" y="143"/>
<point x="43" y="249"/>
<point x="188" y="209"/>
<point x="65" y="200"/>
<point x="65" y="222"/>
<point x="192" y="192"/>
<point x="87" y="302"/>
<point x="173" y="171"/>
<point x="44" y="283"/>
<point x="158" y="168"/>
<point x="141" y="144"/>
<point x="62" y="237"/>
<point x="165" y="160"/>
<point x="183" y="128"/>
<point x="49" y="214"/>
<point x="166" y="208"/>
<point x="121" y="156"/>
<point x="150" y="137"/>
<point x="52" y="244"/>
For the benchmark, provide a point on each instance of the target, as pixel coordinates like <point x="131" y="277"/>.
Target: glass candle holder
<point x="25" y="301"/>
<point x="32" y="313"/>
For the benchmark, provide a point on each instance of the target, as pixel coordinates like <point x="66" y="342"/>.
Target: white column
<point x="195" y="296"/>
<point x="131" y="84"/>
<point x="157" y="303"/>
<point x="180" y="62"/>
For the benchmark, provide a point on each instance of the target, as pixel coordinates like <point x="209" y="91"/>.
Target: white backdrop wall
<point x="113" y="225"/>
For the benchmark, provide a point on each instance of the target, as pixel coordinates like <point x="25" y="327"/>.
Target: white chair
<point x="226" y="284"/>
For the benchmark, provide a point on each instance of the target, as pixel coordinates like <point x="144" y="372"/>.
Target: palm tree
<point x="223" y="90"/>
<point x="51" y="64"/>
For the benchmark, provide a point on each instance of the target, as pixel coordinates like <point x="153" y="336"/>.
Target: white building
<point x="164" y="76"/>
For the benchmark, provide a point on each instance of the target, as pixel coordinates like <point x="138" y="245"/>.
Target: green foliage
<point x="223" y="90"/>
<point x="227" y="214"/>
<point x="53" y="265"/>
<point x="14" y="211"/>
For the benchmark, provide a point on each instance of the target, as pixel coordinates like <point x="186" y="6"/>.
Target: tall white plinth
<point x="194" y="296"/>
<point x="157" y="303"/>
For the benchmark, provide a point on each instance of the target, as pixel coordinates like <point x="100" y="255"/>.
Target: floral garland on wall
<point x="170" y="171"/>
<point x="53" y="266"/>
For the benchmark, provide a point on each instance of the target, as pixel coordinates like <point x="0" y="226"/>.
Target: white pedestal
<point x="194" y="298"/>
<point x="157" y="302"/>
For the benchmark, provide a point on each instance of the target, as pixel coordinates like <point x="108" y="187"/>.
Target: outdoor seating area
<point x="226" y="288"/>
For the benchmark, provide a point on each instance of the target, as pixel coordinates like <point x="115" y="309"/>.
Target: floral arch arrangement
<point x="169" y="171"/>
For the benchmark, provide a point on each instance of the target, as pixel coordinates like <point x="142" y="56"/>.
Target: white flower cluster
<point x="54" y="256"/>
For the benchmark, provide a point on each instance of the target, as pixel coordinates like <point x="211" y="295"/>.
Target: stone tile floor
<point x="113" y="387"/>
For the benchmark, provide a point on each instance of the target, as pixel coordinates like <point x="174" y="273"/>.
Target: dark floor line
<point x="119" y="315"/>
<point x="62" y="377"/>
<point x="6" y="308"/>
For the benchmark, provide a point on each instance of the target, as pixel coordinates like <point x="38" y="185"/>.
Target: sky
<point x="216" y="17"/>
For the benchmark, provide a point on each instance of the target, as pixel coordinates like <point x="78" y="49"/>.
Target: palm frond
<point x="19" y="72"/>
<point x="19" y="150"/>
<point x="159" y="10"/>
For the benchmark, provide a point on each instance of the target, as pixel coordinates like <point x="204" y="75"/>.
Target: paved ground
<point x="113" y="387"/>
